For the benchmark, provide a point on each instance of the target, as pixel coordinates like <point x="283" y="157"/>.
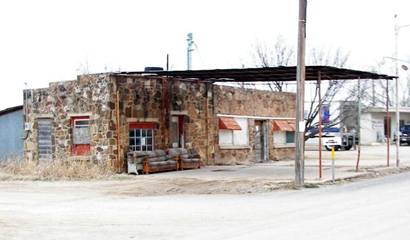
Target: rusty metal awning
<point x="228" y="123"/>
<point x="284" y="125"/>
<point x="285" y="74"/>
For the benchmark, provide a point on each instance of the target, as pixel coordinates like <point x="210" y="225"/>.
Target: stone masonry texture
<point x="114" y="101"/>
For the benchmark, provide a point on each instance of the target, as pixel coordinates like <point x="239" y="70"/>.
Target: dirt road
<point x="373" y="209"/>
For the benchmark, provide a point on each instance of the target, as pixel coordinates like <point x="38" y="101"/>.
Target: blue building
<point x="11" y="133"/>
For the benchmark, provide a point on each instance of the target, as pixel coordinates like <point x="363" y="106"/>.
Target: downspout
<point x="213" y="116"/>
<point x="207" y="123"/>
<point x="117" y="107"/>
<point x="162" y="122"/>
<point x="117" y="167"/>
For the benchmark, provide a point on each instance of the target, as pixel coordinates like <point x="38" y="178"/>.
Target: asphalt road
<point x="368" y="209"/>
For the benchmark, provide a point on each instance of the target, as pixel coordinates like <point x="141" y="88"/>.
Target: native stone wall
<point x="243" y="101"/>
<point x="195" y="99"/>
<point x="284" y="153"/>
<point x="89" y="95"/>
<point x="155" y="99"/>
<point x="250" y="102"/>
<point x="105" y="97"/>
<point x="139" y="101"/>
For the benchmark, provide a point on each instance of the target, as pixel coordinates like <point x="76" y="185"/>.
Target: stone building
<point x="100" y="117"/>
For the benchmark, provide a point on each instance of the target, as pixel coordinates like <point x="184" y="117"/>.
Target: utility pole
<point x="190" y="41"/>
<point x="373" y="94"/>
<point x="167" y="62"/>
<point x="300" y="96"/>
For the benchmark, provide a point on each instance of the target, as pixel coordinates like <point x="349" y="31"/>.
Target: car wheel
<point x="348" y="148"/>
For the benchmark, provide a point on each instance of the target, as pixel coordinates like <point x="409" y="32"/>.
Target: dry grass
<point x="57" y="170"/>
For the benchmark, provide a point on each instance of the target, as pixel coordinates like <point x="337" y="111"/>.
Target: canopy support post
<point x="359" y="112"/>
<point x="387" y="123"/>
<point x="320" y="123"/>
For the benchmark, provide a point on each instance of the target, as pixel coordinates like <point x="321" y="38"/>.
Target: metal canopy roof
<point x="269" y="74"/>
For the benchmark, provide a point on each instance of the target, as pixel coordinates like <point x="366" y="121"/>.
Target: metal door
<point x="265" y="148"/>
<point x="258" y="142"/>
<point x="45" y="143"/>
<point x="261" y="141"/>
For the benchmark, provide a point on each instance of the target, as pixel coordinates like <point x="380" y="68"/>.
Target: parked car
<point x="343" y="142"/>
<point x="333" y="137"/>
<point x="404" y="135"/>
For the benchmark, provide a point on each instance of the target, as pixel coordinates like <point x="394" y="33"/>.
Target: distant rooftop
<point x="11" y="109"/>
<point x="383" y="109"/>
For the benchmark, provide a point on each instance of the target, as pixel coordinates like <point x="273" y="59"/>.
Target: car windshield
<point x="407" y="128"/>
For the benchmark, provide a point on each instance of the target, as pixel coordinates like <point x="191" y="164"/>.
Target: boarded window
<point x="283" y="138"/>
<point x="81" y="131"/>
<point x="283" y="132"/>
<point x="241" y="137"/>
<point x="45" y="143"/>
<point x="81" y="135"/>
<point x="225" y="137"/>
<point x="235" y="137"/>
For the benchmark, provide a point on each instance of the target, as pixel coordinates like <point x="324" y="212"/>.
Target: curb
<point x="369" y="174"/>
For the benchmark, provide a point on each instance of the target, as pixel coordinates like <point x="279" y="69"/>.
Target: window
<point x="81" y="131"/>
<point x="290" y="137"/>
<point x="81" y="135"/>
<point x="141" y="136"/>
<point x="283" y="138"/>
<point x="283" y="133"/>
<point x="239" y="137"/>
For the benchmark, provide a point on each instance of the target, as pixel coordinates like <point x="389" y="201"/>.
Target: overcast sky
<point x="45" y="41"/>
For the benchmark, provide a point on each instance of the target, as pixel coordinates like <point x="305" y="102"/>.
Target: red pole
<point x="387" y="123"/>
<point x="320" y="127"/>
<point x="358" y="132"/>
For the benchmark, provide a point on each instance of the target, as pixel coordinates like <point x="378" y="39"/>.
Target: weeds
<point x="56" y="170"/>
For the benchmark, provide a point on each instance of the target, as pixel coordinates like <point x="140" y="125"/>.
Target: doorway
<point x="261" y="141"/>
<point x="44" y="138"/>
<point x="177" y="131"/>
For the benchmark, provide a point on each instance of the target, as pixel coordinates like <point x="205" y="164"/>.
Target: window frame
<point x="234" y="144"/>
<point x="82" y="148"/>
<point x="82" y="126"/>
<point x="282" y="136"/>
<point x="134" y="137"/>
<point x="293" y="137"/>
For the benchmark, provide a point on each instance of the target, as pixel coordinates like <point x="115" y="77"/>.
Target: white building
<point x="374" y="125"/>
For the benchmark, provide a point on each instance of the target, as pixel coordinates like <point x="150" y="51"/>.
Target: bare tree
<point x="83" y="68"/>
<point x="281" y="55"/>
<point x="328" y="57"/>
<point x="332" y="88"/>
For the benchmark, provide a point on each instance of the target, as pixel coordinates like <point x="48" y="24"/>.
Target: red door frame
<point x="181" y="129"/>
